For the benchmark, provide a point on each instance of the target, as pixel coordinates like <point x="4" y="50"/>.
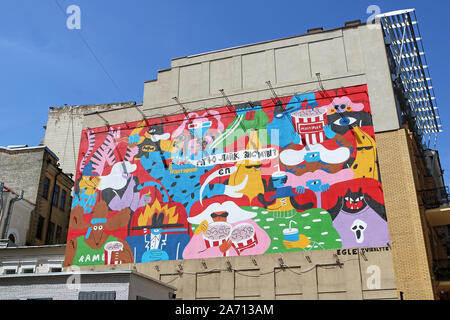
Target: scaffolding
<point x="403" y="38"/>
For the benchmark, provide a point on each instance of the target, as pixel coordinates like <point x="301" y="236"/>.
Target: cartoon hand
<point x="202" y="227"/>
<point x="329" y="132"/>
<point x="123" y="256"/>
<point x="225" y="246"/>
<point x="302" y="242"/>
<point x="300" y="190"/>
<point x="325" y="187"/>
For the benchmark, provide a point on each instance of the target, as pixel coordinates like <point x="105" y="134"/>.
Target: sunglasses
<point x="223" y="215"/>
<point x="257" y="166"/>
<point x="364" y="148"/>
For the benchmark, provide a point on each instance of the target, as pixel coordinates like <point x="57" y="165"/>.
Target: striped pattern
<point x="105" y="154"/>
<point x="246" y="244"/>
<point x="91" y="140"/>
<point x="310" y="129"/>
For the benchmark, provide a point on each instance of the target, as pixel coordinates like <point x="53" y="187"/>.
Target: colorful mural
<point x="289" y="174"/>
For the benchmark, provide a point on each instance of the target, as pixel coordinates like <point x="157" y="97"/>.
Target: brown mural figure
<point x="97" y="247"/>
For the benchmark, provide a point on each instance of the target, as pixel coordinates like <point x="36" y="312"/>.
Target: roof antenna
<point x="225" y="96"/>
<point x="182" y="107"/>
<point x="274" y="94"/>
<point x="320" y="81"/>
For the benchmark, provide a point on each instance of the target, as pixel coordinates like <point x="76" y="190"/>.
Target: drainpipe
<point x="1" y="199"/>
<point x="9" y="213"/>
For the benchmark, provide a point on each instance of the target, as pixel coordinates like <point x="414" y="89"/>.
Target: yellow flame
<point x="170" y="215"/>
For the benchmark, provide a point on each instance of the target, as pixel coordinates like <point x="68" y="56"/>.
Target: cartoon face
<point x="147" y="146"/>
<point x="312" y="156"/>
<point x="354" y="201"/>
<point x="340" y="108"/>
<point x="341" y="122"/>
<point x="279" y="182"/>
<point x="358" y="228"/>
<point x="198" y="129"/>
<point x="97" y="233"/>
<point x="314" y="185"/>
<point x="89" y="183"/>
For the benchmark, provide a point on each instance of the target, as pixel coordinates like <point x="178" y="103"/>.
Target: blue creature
<point x="281" y="127"/>
<point x="317" y="187"/>
<point x="85" y="194"/>
<point x="178" y="183"/>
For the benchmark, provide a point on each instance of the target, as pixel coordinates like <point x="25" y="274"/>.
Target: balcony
<point x="436" y="198"/>
<point x="437" y="206"/>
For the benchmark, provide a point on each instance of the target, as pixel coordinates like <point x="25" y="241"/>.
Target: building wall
<point x="368" y="275"/>
<point x="179" y="196"/>
<point x="44" y="209"/>
<point x="139" y="288"/>
<point x="344" y="57"/>
<point x="55" y="287"/>
<point x="19" y="220"/>
<point x="21" y="170"/>
<point x="63" y="131"/>
<point x="407" y="225"/>
<point x="42" y="259"/>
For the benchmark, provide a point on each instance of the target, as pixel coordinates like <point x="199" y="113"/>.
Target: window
<point x="62" y="200"/>
<point x="40" y="227"/>
<point x="56" y="269"/>
<point x="50" y="230"/>
<point x="46" y="185"/>
<point x="55" y="195"/>
<point x="10" y="268"/>
<point x="27" y="270"/>
<point x="58" y="234"/>
<point x="97" y="295"/>
<point x="12" y="238"/>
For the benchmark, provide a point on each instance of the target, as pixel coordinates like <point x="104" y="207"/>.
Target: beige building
<point x="414" y="265"/>
<point x="36" y="196"/>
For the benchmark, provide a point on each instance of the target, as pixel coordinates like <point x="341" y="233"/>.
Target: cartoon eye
<point x="315" y="182"/>
<point x="95" y="228"/>
<point x="344" y="121"/>
<point x="100" y="227"/>
<point x="348" y="108"/>
<point x="332" y="110"/>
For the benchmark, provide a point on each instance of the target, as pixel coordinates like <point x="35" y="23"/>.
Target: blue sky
<point x="44" y="64"/>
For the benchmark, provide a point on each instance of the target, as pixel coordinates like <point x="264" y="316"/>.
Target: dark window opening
<point x="12" y="238"/>
<point x="58" y="234"/>
<point x="39" y="227"/>
<point x="55" y="195"/>
<point x="50" y="231"/>
<point x="97" y="295"/>
<point x="27" y="270"/>
<point x="46" y="186"/>
<point x="62" y="200"/>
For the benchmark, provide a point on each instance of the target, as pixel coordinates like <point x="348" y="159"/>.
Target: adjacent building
<point x="35" y="196"/>
<point x="297" y="168"/>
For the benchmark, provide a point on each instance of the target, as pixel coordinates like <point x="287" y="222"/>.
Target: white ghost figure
<point x="358" y="227"/>
<point x="293" y="157"/>
<point x="118" y="177"/>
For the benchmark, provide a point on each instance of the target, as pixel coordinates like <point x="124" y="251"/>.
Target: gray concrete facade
<point x="344" y="57"/>
<point x="118" y="285"/>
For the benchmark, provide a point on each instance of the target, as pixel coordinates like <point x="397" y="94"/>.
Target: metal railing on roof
<point x="435" y="198"/>
<point x="402" y="35"/>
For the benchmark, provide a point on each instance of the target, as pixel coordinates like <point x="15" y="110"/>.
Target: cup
<point x="291" y="234"/>
<point x="110" y="249"/>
